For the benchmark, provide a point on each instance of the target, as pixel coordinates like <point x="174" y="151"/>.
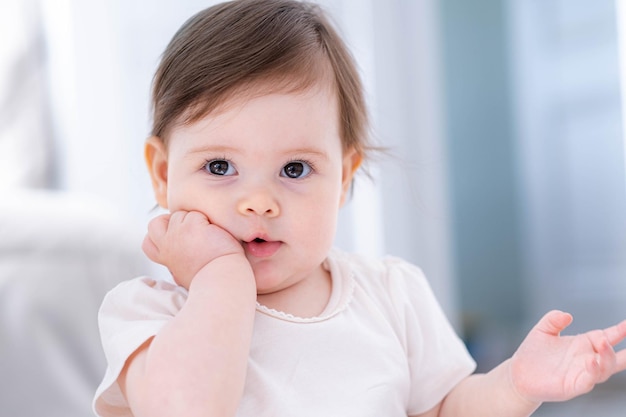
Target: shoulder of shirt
<point x="395" y="286"/>
<point x="387" y="271"/>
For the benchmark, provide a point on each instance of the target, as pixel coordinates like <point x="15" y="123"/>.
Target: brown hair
<point x="283" y="45"/>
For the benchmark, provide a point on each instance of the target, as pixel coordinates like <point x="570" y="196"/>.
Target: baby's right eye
<point x="220" y="167"/>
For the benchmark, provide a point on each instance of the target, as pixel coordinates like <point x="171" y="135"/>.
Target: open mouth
<point x="261" y="248"/>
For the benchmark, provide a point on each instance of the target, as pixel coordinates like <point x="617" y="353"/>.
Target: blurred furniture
<point x="59" y="255"/>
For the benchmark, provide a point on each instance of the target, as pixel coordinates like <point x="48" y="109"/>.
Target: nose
<point x="260" y="202"/>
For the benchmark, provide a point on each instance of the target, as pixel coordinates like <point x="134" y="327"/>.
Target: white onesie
<point x="382" y="347"/>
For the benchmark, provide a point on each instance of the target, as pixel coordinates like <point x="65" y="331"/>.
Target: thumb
<point x="554" y="322"/>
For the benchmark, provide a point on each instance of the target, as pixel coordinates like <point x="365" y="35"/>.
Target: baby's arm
<point x="196" y="364"/>
<point x="546" y="367"/>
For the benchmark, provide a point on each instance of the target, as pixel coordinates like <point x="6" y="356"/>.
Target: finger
<point x="603" y="363"/>
<point x="620" y="358"/>
<point x="160" y="221"/>
<point x="150" y="249"/>
<point x="196" y="217"/>
<point x="178" y="217"/>
<point x="158" y="226"/>
<point x="615" y="334"/>
<point x="554" y="322"/>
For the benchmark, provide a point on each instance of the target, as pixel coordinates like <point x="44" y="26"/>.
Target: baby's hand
<point x="550" y="367"/>
<point x="185" y="241"/>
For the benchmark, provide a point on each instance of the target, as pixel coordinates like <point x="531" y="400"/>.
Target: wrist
<point x="231" y="269"/>
<point x="187" y="271"/>
<point x="515" y="393"/>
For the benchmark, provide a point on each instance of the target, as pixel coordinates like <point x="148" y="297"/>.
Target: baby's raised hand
<point x="551" y="367"/>
<point x="185" y="241"/>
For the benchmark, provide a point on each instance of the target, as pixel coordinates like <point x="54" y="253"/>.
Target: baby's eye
<point x="220" y="167"/>
<point x="296" y="169"/>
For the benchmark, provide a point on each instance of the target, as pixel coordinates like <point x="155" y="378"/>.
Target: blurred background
<point x="505" y="182"/>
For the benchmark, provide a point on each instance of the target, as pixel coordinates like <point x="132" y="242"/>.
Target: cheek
<point x="191" y="197"/>
<point x="317" y="216"/>
<point x="178" y="196"/>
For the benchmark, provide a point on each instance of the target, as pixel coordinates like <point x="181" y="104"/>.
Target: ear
<point x="156" y="160"/>
<point x="351" y="162"/>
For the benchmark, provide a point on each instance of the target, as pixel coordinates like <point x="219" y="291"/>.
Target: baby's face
<point x="270" y="171"/>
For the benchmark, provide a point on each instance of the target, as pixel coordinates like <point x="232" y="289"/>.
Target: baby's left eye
<point x="296" y="169"/>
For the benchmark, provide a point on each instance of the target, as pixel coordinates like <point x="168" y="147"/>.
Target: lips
<point x="262" y="248"/>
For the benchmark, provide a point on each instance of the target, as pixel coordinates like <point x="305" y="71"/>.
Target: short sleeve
<point x="130" y="314"/>
<point x="438" y="359"/>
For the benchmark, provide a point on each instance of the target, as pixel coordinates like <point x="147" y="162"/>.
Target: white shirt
<point x="382" y="347"/>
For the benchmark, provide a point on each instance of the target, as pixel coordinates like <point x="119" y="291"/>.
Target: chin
<point x="267" y="280"/>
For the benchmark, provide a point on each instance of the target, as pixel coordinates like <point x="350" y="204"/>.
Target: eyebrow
<point x="213" y="148"/>
<point x="233" y="150"/>
<point x="308" y="151"/>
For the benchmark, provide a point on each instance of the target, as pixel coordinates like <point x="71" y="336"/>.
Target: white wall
<point x="571" y="152"/>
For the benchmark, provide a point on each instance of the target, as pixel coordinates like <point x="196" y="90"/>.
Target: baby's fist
<point x="185" y="241"/>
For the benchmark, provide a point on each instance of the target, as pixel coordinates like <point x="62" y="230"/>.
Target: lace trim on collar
<point x="342" y="293"/>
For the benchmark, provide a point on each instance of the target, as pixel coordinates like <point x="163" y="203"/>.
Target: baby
<point x="259" y="128"/>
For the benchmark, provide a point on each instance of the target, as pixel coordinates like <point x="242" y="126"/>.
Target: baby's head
<point x="246" y="48"/>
